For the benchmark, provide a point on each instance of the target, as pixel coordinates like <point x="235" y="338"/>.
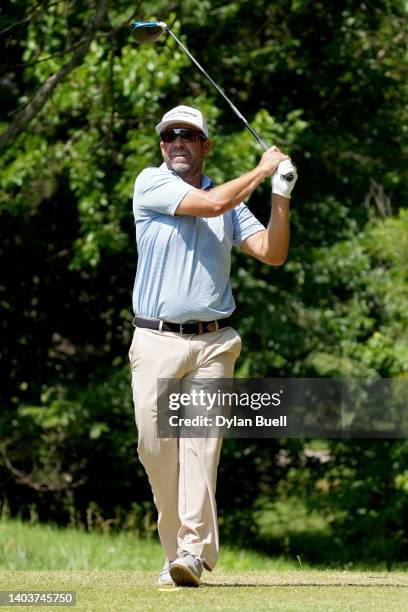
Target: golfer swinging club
<point x="182" y="299"/>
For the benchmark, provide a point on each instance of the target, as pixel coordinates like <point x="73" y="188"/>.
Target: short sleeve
<point x="158" y="190"/>
<point x="245" y="224"/>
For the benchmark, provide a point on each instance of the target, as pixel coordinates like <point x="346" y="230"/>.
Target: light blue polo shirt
<point x="184" y="262"/>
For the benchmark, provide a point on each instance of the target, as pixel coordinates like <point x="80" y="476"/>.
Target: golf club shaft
<point x="234" y="108"/>
<point x="149" y="31"/>
<point x="288" y="177"/>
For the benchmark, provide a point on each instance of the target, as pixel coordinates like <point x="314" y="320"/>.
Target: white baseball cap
<point x="185" y="115"/>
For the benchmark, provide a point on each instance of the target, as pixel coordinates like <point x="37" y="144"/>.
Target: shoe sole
<point x="165" y="584"/>
<point x="182" y="576"/>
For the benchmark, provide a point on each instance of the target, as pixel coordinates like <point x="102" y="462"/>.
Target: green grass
<point x="263" y="590"/>
<point x="36" y="547"/>
<point x="119" y="572"/>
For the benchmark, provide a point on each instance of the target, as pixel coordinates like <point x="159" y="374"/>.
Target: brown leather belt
<point x="185" y="329"/>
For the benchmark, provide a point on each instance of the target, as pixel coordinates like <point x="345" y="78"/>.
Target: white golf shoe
<point x="186" y="570"/>
<point x="164" y="577"/>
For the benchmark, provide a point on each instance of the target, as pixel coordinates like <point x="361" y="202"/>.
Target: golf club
<point x="145" y="32"/>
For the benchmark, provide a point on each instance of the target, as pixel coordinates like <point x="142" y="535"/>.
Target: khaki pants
<point x="182" y="472"/>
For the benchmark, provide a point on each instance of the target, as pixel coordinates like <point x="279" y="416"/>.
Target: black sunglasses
<point x="185" y="133"/>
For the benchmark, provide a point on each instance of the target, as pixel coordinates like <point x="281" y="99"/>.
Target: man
<point x="182" y="299"/>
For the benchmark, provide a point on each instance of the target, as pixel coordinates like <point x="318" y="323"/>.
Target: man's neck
<point x="191" y="179"/>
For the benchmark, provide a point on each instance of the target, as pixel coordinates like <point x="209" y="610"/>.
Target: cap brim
<point x="163" y="125"/>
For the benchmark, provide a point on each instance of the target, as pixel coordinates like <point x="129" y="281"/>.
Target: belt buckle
<point x="182" y="333"/>
<point x="199" y="325"/>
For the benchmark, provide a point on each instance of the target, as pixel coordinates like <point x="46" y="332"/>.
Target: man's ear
<point x="207" y="144"/>
<point x="162" y="148"/>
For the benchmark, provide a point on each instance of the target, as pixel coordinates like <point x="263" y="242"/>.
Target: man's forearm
<point x="276" y="237"/>
<point x="217" y="201"/>
<point x="230" y="194"/>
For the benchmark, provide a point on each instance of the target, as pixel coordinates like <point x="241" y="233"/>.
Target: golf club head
<point x="145" y="32"/>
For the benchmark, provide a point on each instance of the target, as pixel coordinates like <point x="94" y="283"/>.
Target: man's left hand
<point x="280" y="185"/>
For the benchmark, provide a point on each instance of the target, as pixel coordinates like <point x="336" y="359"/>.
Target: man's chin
<point x="180" y="167"/>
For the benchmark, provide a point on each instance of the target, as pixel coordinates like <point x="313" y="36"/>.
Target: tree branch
<point x="28" y="16"/>
<point x="65" y="483"/>
<point x="44" y="59"/>
<point x="36" y="103"/>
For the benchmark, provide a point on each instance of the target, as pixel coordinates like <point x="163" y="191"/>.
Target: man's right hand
<point x="270" y="160"/>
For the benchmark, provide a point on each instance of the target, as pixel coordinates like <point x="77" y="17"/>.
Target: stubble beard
<point x="180" y="168"/>
<point x="183" y="168"/>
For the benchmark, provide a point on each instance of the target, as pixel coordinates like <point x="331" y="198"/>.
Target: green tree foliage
<point x="326" y="82"/>
<point x="357" y="328"/>
<point x="365" y="497"/>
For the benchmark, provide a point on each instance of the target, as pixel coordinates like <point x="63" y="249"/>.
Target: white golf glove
<point x="279" y="184"/>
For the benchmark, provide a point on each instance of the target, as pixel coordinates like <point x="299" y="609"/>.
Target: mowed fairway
<point x="221" y="590"/>
<point x="128" y="569"/>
